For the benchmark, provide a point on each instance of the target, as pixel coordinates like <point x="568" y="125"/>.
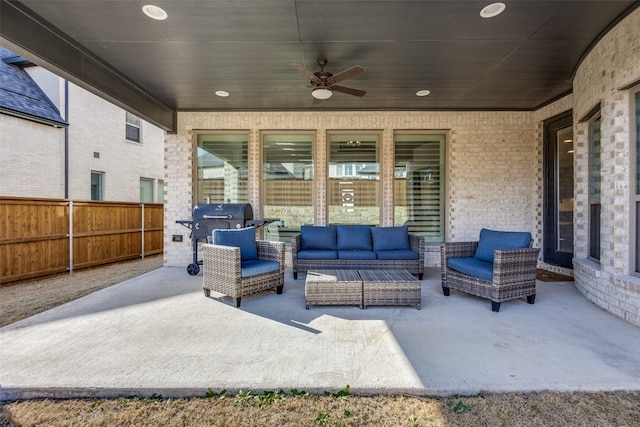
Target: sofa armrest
<point x="418" y="244"/>
<point x="454" y="250"/>
<point x="515" y="265"/>
<point x="221" y="261"/>
<point x="271" y="251"/>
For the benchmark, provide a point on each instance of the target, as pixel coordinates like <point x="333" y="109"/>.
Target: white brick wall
<point x="31" y="159"/>
<point x="32" y="154"/>
<point x="614" y="63"/>
<point x="492" y="165"/>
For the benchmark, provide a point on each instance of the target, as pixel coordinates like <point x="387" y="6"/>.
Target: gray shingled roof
<point x="20" y="95"/>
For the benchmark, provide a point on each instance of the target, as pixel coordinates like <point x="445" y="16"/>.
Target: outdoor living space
<point x="158" y="334"/>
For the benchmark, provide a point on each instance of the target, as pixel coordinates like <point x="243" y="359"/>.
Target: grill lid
<point x="223" y="211"/>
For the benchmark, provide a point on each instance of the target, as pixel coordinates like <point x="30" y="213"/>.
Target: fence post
<point x="70" y="203"/>
<point x="143" y="231"/>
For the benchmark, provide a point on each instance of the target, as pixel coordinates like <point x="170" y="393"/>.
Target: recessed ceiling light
<point x="493" y="9"/>
<point x="423" y="92"/>
<point x="222" y="93"/>
<point x="154" y="12"/>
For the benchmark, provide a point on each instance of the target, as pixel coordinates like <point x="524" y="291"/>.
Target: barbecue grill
<point x="215" y="216"/>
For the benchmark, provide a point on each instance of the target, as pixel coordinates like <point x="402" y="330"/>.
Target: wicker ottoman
<point x="333" y="287"/>
<point x="390" y="287"/>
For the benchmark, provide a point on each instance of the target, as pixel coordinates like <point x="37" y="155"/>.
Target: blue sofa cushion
<point x="254" y="267"/>
<point x="472" y="267"/>
<point x="353" y="254"/>
<point x="354" y="237"/>
<point x="398" y="254"/>
<point x="491" y="240"/>
<point x="243" y="238"/>
<point x="318" y="237"/>
<point x="317" y="254"/>
<point x="390" y="238"/>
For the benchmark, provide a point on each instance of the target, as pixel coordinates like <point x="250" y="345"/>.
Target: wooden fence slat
<point x="36" y="240"/>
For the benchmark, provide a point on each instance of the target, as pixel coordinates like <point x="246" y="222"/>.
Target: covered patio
<point x="158" y="334"/>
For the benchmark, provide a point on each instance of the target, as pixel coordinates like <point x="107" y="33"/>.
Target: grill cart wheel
<point x="193" y="269"/>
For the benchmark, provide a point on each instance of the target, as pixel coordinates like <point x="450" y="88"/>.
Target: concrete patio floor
<point x="159" y="334"/>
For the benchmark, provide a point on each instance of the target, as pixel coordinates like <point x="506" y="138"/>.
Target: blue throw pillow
<point x="243" y="238"/>
<point x="491" y="240"/>
<point x="354" y="237"/>
<point x="318" y="237"/>
<point x="390" y="238"/>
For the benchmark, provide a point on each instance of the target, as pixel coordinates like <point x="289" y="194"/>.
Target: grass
<point x="298" y="408"/>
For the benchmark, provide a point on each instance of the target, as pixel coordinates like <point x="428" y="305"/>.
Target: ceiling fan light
<point x="321" y="93"/>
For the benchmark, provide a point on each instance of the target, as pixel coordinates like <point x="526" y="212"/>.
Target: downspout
<point x="66" y="139"/>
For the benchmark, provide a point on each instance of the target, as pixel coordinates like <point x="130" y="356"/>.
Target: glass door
<point x="559" y="198"/>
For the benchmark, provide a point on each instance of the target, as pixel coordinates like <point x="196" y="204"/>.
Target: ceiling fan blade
<point x="302" y="70"/>
<point x="346" y="74"/>
<point x="348" y="90"/>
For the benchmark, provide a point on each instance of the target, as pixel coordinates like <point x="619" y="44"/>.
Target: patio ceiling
<point x="519" y="60"/>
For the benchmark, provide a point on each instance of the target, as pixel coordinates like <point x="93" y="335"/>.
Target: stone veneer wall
<point x="613" y="64"/>
<point x="491" y="179"/>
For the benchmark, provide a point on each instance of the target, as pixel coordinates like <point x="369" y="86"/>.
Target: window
<point x="595" y="166"/>
<point x="160" y="191"/>
<point x="354" y="178"/>
<point x="146" y="190"/>
<point x="133" y="127"/>
<point x="96" y="185"/>
<point x="287" y="173"/>
<point x="419" y="184"/>
<point x="636" y="115"/>
<point x="222" y="168"/>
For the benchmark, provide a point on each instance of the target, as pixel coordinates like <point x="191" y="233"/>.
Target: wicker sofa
<point x="500" y="266"/>
<point x="357" y="246"/>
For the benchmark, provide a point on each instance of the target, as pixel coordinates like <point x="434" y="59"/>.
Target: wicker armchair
<point x="222" y="270"/>
<point x="514" y="273"/>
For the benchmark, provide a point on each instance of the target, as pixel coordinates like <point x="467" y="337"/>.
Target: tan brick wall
<point x="613" y="63"/>
<point x="492" y="166"/>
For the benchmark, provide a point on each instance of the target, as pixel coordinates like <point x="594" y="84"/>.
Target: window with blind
<point x="354" y="178"/>
<point x="133" y="127"/>
<point x="222" y="168"/>
<point x="146" y="190"/>
<point x="595" y="165"/>
<point x="419" y="184"/>
<point x="287" y="186"/>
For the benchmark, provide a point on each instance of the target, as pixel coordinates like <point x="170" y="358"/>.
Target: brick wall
<point x="614" y="63"/>
<point x="31" y="159"/>
<point x="492" y="165"/>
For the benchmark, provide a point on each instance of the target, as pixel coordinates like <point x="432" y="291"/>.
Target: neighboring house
<point x="58" y="140"/>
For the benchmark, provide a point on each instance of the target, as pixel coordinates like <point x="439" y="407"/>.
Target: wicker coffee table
<point x="390" y="287"/>
<point x="362" y="288"/>
<point x="333" y="287"/>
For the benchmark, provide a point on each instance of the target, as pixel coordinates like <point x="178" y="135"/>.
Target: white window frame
<point x="133" y="122"/>
<point x="101" y="185"/>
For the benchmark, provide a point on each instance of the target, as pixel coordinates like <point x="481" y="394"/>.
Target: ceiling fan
<point x="324" y="83"/>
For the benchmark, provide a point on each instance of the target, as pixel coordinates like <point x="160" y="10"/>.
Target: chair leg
<point x="279" y="289"/>
<point x="295" y="275"/>
<point x="236" y="302"/>
<point x="207" y="292"/>
<point x="531" y="299"/>
<point x="445" y="291"/>
<point x="495" y="306"/>
<point x="420" y="276"/>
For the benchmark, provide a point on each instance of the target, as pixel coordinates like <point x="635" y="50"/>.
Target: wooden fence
<point x="41" y="237"/>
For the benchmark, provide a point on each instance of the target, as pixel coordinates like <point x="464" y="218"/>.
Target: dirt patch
<point x="292" y="407"/>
